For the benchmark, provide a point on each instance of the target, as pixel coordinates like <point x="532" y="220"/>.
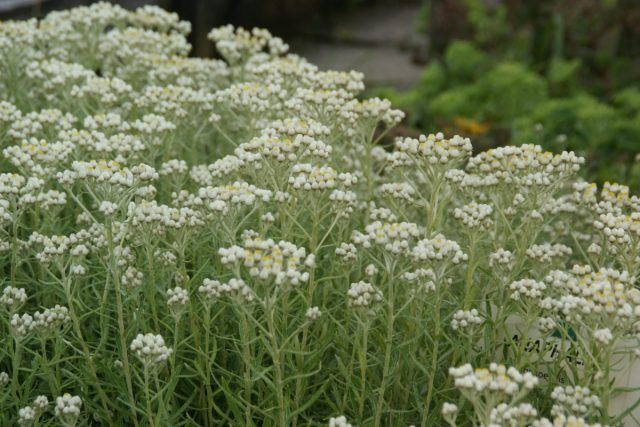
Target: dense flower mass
<point x="285" y="266"/>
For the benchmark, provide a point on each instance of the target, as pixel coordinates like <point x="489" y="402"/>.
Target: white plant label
<point x="546" y="349"/>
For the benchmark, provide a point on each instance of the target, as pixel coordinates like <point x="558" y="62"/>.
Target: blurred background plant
<point x="563" y="74"/>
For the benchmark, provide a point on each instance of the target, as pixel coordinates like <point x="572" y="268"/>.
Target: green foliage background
<point x="565" y="75"/>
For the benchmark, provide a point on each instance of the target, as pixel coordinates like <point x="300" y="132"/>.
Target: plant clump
<point x="191" y="241"/>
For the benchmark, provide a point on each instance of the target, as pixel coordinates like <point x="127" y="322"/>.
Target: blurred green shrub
<point x="601" y="35"/>
<point x="468" y="85"/>
<point x="509" y="91"/>
<point x="464" y="61"/>
<point x="488" y="19"/>
<point x="507" y="102"/>
<point x="560" y="74"/>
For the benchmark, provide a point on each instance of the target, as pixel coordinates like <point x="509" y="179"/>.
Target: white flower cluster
<point x="132" y="277"/>
<point x="55" y="74"/>
<point x="606" y="297"/>
<point x="465" y="319"/>
<point x="449" y="410"/>
<point x="21" y="325"/>
<point x="438" y="249"/>
<point x="546" y="324"/>
<point x="13" y="298"/>
<point x="565" y="421"/>
<point x="615" y="193"/>
<point x="603" y="336"/>
<point x="363" y="294"/>
<point x="108" y="208"/>
<point x="238" y="44"/>
<point x="340" y="421"/>
<point x="398" y="190"/>
<point x="546" y="252"/>
<point x="4" y="379"/>
<point x="38" y="157"/>
<point x="102" y="171"/>
<point x="394" y="237"/>
<point x="528" y="288"/>
<point x="345" y="201"/>
<point x="67" y="409"/>
<point x="370" y="110"/>
<point x="11" y="184"/>
<point x="501" y="258"/>
<point x="371" y="270"/>
<point x="40" y="403"/>
<point x="158" y="218"/>
<point x="173" y="167"/>
<point x="619" y="229"/>
<point x="104" y="90"/>
<point x="237" y="193"/>
<point x="474" y="215"/>
<point x="289" y="140"/>
<point x="313" y="313"/>
<point x="512" y="415"/>
<point x="227" y="165"/>
<point x="496" y="395"/>
<point x="308" y="177"/>
<point x="26" y="416"/>
<point x="5" y="212"/>
<point x="347" y="252"/>
<point x="249" y="98"/>
<point x="495" y="379"/>
<point x="24" y="192"/>
<point x="432" y="149"/>
<point x="297" y="126"/>
<point x="39" y="124"/>
<point x="525" y="165"/>
<point x="424" y="278"/>
<point x="575" y="400"/>
<point x="9" y="113"/>
<point x="177" y="298"/>
<point x="213" y="289"/>
<point x="51" y="319"/>
<point x="266" y="259"/>
<point x="150" y="349"/>
<point x="77" y="244"/>
<point x="29" y="415"/>
<point x="176" y="101"/>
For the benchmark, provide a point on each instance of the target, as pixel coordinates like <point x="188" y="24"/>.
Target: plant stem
<point x="121" y="327"/>
<point x="387" y="354"/>
<point x="75" y="320"/>
<point x="277" y="364"/>
<point x="246" y="356"/>
<point x="363" y="368"/>
<point x="15" y="366"/>
<point x="434" y="363"/>
<point x="147" y="396"/>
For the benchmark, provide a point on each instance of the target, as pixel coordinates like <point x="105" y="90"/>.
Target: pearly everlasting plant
<point x="191" y="241"/>
<point x="67" y="409"/>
